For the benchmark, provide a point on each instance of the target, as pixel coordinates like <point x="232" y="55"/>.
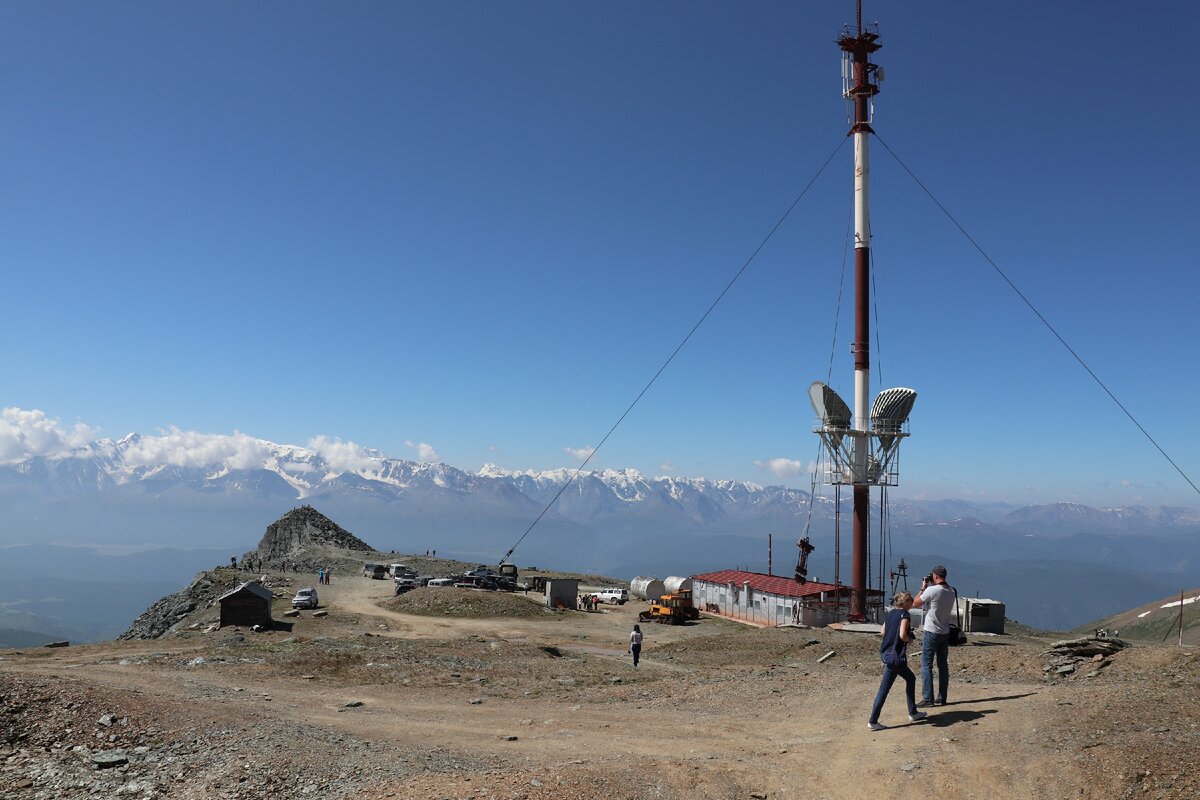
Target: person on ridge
<point x="938" y="599"/>
<point x="893" y="651"/>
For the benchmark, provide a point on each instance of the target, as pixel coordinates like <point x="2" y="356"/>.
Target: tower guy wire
<point x="678" y="348"/>
<point x="1039" y="315"/>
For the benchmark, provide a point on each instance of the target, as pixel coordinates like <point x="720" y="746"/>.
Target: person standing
<point x="635" y="644"/>
<point x="320" y="574"/>
<point x="937" y="598"/>
<point x="893" y="651"/>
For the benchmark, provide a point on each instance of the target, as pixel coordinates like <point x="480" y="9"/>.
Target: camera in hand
<point x="928" y="579"/>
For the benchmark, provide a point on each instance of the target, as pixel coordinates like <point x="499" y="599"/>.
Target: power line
<point x="1040" y="316"/>
<point x="675" y="352"/>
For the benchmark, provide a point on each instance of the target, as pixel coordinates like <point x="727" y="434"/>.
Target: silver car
<point x="305" y="598"/>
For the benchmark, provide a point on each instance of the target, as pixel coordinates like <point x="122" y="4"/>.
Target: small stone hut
<point x="562" y="592"/>
<point x="248" y="604"/>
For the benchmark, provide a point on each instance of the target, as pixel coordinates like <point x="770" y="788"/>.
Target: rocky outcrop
<point x="1065" y="658"/>
<point x="302" y="528"/>
<point x="202" y="592"/>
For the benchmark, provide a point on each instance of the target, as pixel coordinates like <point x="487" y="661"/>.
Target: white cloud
<point x="344" y="456"/>
<point x="181" y="448"/>
<point x="24" y="434"/>
<point x="667" y="466"/>
<point x="579" y="453"/>
<point x="425" y="452"/>
<point x="786" y="467"/>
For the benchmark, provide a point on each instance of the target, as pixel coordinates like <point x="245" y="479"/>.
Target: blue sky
<point x="482" y="227"/>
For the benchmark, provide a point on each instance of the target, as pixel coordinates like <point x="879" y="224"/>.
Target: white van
<point x="441" y="582"/>
<point x="613" y="596"/>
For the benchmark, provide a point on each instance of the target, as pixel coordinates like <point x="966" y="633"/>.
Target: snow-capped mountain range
<point x="245" y="470"/>
<point x="145" y="464"/>
<point x="183" y="489"/>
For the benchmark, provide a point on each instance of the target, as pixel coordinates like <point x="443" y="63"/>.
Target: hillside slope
<point x="1155" y="622"/>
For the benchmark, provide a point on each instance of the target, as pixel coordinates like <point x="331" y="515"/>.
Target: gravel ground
<point x="361" y="706"/>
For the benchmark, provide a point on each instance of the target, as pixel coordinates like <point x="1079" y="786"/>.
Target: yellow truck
<point x="673" y="609"/>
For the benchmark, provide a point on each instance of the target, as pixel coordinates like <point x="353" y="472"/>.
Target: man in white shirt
<point x="937" y="599"/>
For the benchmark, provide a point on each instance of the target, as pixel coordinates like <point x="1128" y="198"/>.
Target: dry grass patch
<point x="449" y="602"/>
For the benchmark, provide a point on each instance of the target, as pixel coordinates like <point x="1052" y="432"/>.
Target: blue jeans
<point x="935" y="645"/>
<point x="889" y="677"/>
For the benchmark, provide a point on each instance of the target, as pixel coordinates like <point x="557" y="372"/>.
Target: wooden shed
<point x="248" y="604"/>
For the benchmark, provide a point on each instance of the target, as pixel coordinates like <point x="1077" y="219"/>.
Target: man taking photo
<point x="937" y="600"/>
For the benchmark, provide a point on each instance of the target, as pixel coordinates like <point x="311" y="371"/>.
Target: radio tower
<point x="862" y="451"/>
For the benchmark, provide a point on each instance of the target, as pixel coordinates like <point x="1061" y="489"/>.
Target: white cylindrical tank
<point x="646" y="588"/>
<point x="676" y="584"/>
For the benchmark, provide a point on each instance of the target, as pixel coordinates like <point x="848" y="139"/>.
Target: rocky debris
<point x="295" y="612"/>
<point x="186" y="750"/>
<point x="1066" y="656"/>
<point x="107" y="759"/>
<point x="1087" y="647"/>
<point x="301" y="528"/>
<point x="173" y="609"/>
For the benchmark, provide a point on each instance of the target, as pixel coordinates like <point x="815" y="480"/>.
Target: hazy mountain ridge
<point x="164" y="491"/>
<point x="137" y="464"/>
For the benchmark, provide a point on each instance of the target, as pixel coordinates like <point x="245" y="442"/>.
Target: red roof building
<point x="771" y="600"/>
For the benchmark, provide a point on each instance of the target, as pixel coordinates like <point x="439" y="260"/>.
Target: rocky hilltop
<point x="302" y="529"/>
<point x="304" y="538"/>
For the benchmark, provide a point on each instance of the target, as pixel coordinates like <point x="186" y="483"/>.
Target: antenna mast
<point x="862" y="89"/>
<point x="861" y="448"/>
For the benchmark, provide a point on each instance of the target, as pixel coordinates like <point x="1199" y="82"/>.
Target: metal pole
<point x="837" y="549"/>
<point x="859" y="47"/>
<point x="1181" y="617"/>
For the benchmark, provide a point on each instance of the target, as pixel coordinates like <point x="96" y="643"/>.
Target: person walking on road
<point x="635" y="644"/>
<point x="938" y="599"/>
<point x="893" y="651"/>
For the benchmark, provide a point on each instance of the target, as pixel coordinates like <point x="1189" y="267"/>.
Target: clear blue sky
<point x="483" y="226"/>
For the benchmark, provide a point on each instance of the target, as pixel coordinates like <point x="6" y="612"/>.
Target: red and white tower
<point x="861" y="450"/>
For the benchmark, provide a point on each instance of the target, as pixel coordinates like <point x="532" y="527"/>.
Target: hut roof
<point x="253" y="587"/>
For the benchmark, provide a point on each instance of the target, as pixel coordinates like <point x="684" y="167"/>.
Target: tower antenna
<point x="861" y="447"/>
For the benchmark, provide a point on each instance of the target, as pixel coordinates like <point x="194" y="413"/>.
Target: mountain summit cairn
<point x="303" y="528"/>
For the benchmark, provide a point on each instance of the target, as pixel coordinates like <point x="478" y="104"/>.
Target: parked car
<point x="613" y="596"/>
<point x="401" y="588"/>
<point x="376" y="571"/>
<point x="305" y="598"/>
<point x="441" y="582"/>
